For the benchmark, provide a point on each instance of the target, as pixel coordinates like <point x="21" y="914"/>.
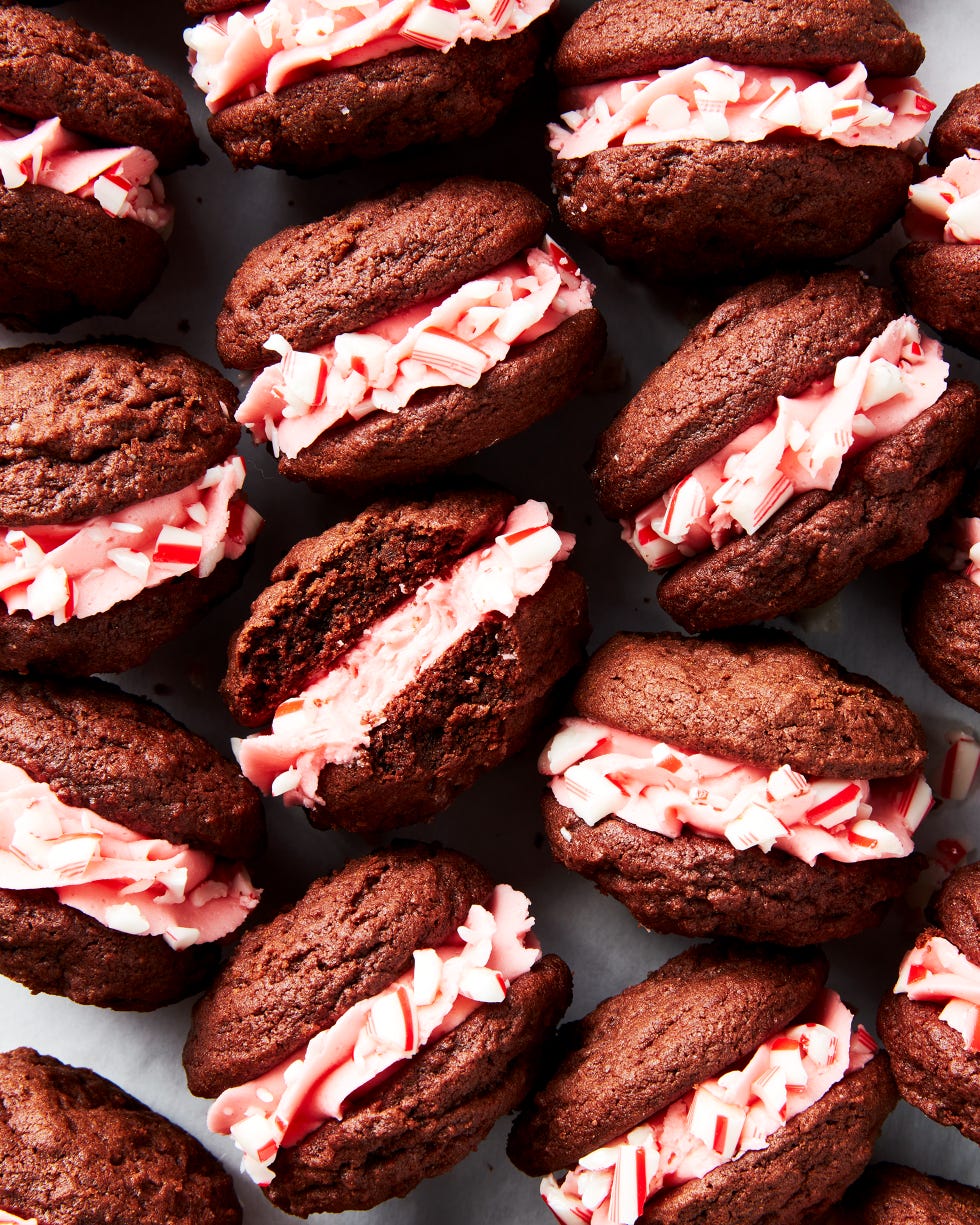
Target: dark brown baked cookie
<point x="957" y="128"/>
<point x="776" y="338"/>
<point x="474" y="706"/>
<point x="935" y="1070"/>
<point x="132" y="764"/>
<point x="87" y="430"/>
<point x="63" y="257"/>
<point x="73" y="1147"/>
<point x="702" y="209"/>
<point x="349" y="938"/>
<point x="888" y="1194"/>
<point x="765" y="700"/>
<point x="372" y="260"/>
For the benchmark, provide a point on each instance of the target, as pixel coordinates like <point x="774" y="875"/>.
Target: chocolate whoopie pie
<point x="931" y="1024"/>
<point x="120" y="836"/>
<point x="74" y="1147"/>
<point x="404" y="990"/>
<point x="731" y="1074"/>
<point x="942" y="621"/>
<point x="749" y="788"/>
<point x="402" y="654"/>
<point x="801" y="433"/>
<point x="121" y="519"/>
<point x="705" y="138"/>
<point x="303" y="89"/>
<point x="939" y="271"/>
<point x="410" y="332"/>
<point x="83" y="128"/>
<point x="888" y="1194"/>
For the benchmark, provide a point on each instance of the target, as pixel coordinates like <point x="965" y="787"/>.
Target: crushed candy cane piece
<point x="959" y="766"/>
<point x="937" y="972"/>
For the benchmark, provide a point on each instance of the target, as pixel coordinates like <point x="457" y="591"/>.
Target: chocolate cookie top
<point x="74" y="1147"/>
<point x="618" y="38"/>
<point x="956" y="908"/>
<point x="311" y="282"/>
<point x="350" y="936"/>
<point x="760" y="698"/>
<point x="54" y="67"/>
<point x="90" y="428"/>
<point x="642" y="1049"/>
<point x="130" y="762"/>
<point x="957" y="128"/>
<point x="775" y="338"/>
<point x="889" y="1194"/>
<point x="328" y="589"/>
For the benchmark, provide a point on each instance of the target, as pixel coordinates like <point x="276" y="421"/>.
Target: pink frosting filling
<point x="708" y="100"/>
<point x="967" y="548"/>
<point x="85" y="568"/>
<point x="332" y="719"/>
<point x="800" y="446"/>
<point x="122" y="181"/>
<point x="265" y="48"/>
<point x="599" y="771"/>
<point x="443" y="344"/>
<point x="717" y="1121"/>
<point x="377" y="1034"/>
<point x="946" y="207"/>
<point x="142" y="886"/>
<point x="939" y="974"/>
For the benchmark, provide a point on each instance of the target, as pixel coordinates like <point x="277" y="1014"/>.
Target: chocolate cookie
<point x="623" y="811"/>
<point x="717" y="168"/>
<point x="888" y="1194"/>
<point x="645" y="1060"/>
<point x="933" y="1036"/>
<point x="402" y="654"/>
<point x="99" y="249"/>
<point x="413" y="78"/>
<point x="939" y="271"/>
<point x="379" y="407"/>
<point x="756" y="531"/>
<point x="69" y="927"/>
<point x="120" y="516"/>
<point x="73" y="1147"/>
<point x="427" y="1090"/>
<point x="942" y="622"/>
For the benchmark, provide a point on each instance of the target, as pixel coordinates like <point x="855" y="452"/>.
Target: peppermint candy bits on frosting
<point x="800" y="446"/>
<point x="377" y="1034"/>
<point x="332" y="719"/>
<point x="266" y="48"/>
<point x="82" y="569"/>
<point x="599" y="772"/>
<point x="122" y="181"/>
<point x="141" y="886"/>
<point x="713" y="101"/>
<point x="716" y="1121"/>
<point x="946" y="207"/>
<point x="448" y="343"/>
<point x="938" y="973"/>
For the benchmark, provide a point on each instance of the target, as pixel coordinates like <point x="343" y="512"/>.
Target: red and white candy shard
<point x="599" y="771"/>
<point x="939" y="973"/>
<point x="959" y="766"/>
<point x="715" y="1121"/>
<point x="802" y="445"/>
<point x="946" y="207"/>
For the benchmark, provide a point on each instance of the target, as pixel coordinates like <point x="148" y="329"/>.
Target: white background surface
<point x="221" y="215"/>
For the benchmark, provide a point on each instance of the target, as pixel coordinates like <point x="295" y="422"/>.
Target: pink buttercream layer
<point x="717" y="1121"/>
<point x="967" y="548"/>
<point x="265" y="48"/>
<point x="122" y="181"/>
<point x="709" y="100"/>
<point x="946" y="207"/>
<point x="377" y="1034"/>
<point x="142" y="886"/>
<point x="83" y="569"/>
<point x="332" y="719"/>
<point x="599" y="771"/>
<point x="447" y="343"/>
<point x="938" y="973"/>
<point x="801" y="445"/>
